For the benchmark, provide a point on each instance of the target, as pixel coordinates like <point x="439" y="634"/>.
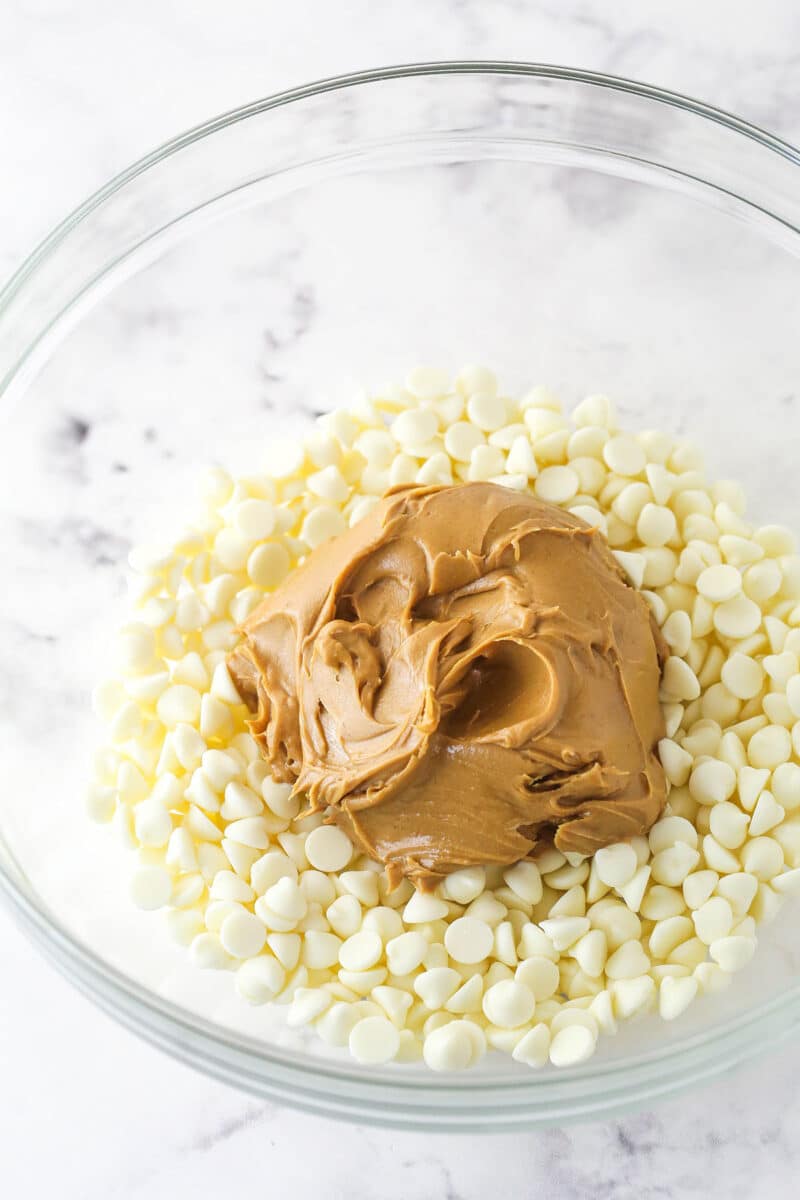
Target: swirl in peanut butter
<point x="463" y="676"/>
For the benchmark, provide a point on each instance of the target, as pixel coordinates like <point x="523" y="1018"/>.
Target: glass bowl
<point x="574" y="229"/>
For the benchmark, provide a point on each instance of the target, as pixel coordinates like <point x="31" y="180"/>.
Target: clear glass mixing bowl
<point x="567" y="228"/>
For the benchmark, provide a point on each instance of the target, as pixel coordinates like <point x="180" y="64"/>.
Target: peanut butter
<point x="462" y="677"/>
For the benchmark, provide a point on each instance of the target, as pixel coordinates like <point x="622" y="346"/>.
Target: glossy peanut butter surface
<point x="462" y="676"/>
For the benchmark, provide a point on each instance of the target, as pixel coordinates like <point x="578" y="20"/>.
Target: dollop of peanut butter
<point x="462" y="677"/>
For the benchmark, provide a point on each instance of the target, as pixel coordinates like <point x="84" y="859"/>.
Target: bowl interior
<point x="562" y="231"/>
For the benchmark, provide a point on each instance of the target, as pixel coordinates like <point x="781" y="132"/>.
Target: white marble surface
<point x="86" y="1110"/>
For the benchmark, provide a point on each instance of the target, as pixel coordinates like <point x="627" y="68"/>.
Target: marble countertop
<point x="88" y="1112"/>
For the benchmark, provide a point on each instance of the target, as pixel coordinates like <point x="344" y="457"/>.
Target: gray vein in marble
<point x="144" y="1178"/>
<point x="73" y="536"/>
<point x="445" y="1190"/>
<point x="254" y="1114"/>
<point x="63" y="446"/>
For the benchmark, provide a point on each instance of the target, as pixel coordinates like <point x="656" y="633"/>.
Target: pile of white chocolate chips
<point x="536" y="960"/>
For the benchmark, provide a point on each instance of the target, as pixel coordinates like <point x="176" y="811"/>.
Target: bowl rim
<point x="618" y="83"/>
<point x="198" y="1040"/>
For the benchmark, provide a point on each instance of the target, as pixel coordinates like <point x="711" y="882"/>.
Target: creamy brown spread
<point x="462" y="676"/>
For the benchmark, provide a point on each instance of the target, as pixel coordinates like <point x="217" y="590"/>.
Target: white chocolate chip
<point x="508" y="1004"/>
<point x="533" y="1048"/>
<point x="361" y="951"/>
<point x="616" y="864"/>
<point x="242" y="935"/>
<point x="678" y="680"/>
<point x="556" y="485"/>
<point x="563" y="931"/>
<point x="571" y="1046"/>
<point x="786" y="785"/>
<point x="321" y="524"/>
<point x="732" y="953"/>
<point x="633" y="996"/>
<point x="713" y="920"/>
<point x="633" y="565"/>
<point x="712" y="781"/>
<point x="762" y="857"/>
<point x="670" y="867"/>
<point x="668" y="831"/>
<point x="766" y="815"/>
<point x="374" y="1040"/>
<point x="627" y="962"/>
<point x="737" y="618"/>
<point x="675" y="996"/>
<point x="624" y="455"/>
<point x="449" y="1048"/>
<point x="422" y="908"/>
<point x="486" y="410"/>
<point x="656" y="525"/>
<point x="468" y="940"/>
<point x="769" y="747"/>
<point x="406" y="952"/>
<point x="461" y="439"/>
<point x="728" y="825"/>
<point x="436" y="985"/>
<point x="466" y="885"/>
<point x="719" y="583"/>
<point x="328" y="849"/>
